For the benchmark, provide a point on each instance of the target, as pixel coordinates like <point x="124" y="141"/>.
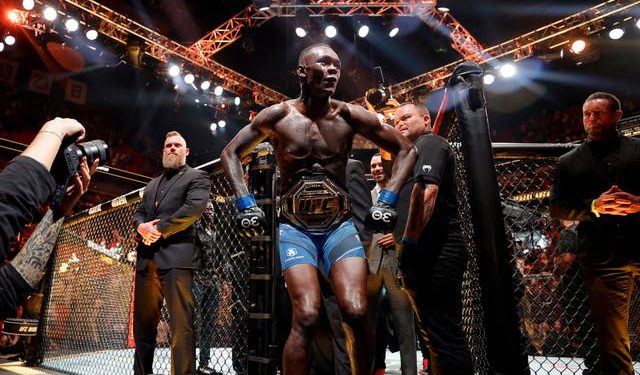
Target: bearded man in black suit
<point x="167" y="257"/>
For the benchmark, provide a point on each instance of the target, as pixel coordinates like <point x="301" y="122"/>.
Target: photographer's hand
<point x="47" y="142"/>
<point x="73" y="192"/>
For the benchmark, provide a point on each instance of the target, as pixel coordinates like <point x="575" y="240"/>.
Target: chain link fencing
<point x="553" y="305"/>
<point x="86" y="325"/>
<point x="472" y="311"/>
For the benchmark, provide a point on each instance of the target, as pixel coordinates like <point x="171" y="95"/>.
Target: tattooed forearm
<point x="32" y="258"/>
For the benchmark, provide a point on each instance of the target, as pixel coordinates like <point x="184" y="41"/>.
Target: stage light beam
<point x="71" y="25"/>
<point x="616" y="33"/>
<point x="28" y="4"/>
<point x="91" y="34"/>
<point x="488" y="79"/>
<point x="363" y="31"/>
<point x="50" y="13"/>
<point x="508" y="70"/>
<point x="578" y="46"/>
<point x="174" y="70"/>
<point x="301" y="32"/>
<point x="9" y="40"/>
<point x="330" y="31"/>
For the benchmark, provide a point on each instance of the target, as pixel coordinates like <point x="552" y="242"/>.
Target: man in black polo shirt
<point x="433" y="256"/>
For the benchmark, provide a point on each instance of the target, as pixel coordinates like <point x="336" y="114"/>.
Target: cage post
<point x="262" y="356"/>
<point x="504" y="340"/>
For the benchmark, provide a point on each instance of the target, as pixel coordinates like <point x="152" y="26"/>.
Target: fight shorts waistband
<point x="314" y="201"/>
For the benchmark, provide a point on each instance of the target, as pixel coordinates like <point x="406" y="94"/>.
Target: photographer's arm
<point x="32" y="258"/>
<point x="26" y="184"/>
<point x="20" y="277"/>
<point x="47" y="142"/>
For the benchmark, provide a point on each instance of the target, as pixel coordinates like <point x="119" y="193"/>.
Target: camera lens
<point x="96" y="149"/>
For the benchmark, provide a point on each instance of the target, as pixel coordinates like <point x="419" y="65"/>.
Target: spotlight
<point x="28" y="4"/>
<point x="443" y="6"/>
<point x="508" y="70"/>
<point x="638" y="23"/>
<point x="236" y="101"/>
<point x="174" y="70"/>
<point x="488" y="79"/>
<point x="13" y="16"/>
<point x="616" y="33"/>
<point x="50" y="13"/>
<point x="71" y="25"/>
<point x="9" y="40"/>
<point x="394" y="31"/>
<point x="189" y="78"/>
<point x="204" y="85"/>
<point x="578" y="46"/>
<point x="300" y="32"/>
<point x="263" y="5"/>
<point x="1" y="46"/>
<point x="222" y="124"/>
<point x="330" y="31"/>
<point x="363" y="31"/>
<point x="91" y="34"/>
<point x="213" y="126"/>
<point x="218" y="90"/>
<point x="197" y="101"/>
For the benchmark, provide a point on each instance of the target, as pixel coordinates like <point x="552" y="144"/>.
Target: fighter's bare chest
<point x="322" y="138"/>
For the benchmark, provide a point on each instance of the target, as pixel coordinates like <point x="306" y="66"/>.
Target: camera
<point x="68" y="160"/>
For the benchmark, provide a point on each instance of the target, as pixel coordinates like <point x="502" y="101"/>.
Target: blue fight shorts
<point x="298" y="246"/>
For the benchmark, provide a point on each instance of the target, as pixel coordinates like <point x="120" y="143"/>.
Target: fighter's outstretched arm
<point x="389" y="139"/>
<point x="245" y="141"/>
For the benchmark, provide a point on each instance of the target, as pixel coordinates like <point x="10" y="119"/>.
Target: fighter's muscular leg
<point x="304" y="291"/>
<point x="349" y="280"/>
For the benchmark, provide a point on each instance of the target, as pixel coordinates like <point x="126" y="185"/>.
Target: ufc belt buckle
<point x="315" y="203"/>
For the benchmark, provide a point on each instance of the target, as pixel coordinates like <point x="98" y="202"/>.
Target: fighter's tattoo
<point x="32" y="258"/>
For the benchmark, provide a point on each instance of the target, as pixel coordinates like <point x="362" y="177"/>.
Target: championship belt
<point x="315" y="202"/>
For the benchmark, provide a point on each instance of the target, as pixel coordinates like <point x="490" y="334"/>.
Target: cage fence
<point x="86" y="325"/>
<point x="472" y="311"/>
<point x="553" y="304"/>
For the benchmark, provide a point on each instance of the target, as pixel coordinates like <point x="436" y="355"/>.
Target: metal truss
<point x="521" y="47"/>
<point x="346" y="8"/>
<point x="121" y="28"/>
<point x="461" y="39"/>
<point x="230" y="31"/>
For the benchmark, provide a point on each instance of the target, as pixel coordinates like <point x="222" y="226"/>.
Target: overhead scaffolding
<point x="120" y="27"/>
<point x="521" y="47"/>
<point x="200" y="54"/>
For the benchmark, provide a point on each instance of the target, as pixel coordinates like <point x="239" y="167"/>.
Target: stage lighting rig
<point x="379" y="99"/>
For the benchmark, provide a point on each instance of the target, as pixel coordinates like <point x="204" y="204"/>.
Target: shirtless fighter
<point x="312" y="137"/>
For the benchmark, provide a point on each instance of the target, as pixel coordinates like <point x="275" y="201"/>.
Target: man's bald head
<point x="309" y="49"/>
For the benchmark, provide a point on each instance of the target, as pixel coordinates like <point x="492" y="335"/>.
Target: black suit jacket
<point x="178" y="209"/>
<point x="581" y="176"/>
<point x="360" y="196"/>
